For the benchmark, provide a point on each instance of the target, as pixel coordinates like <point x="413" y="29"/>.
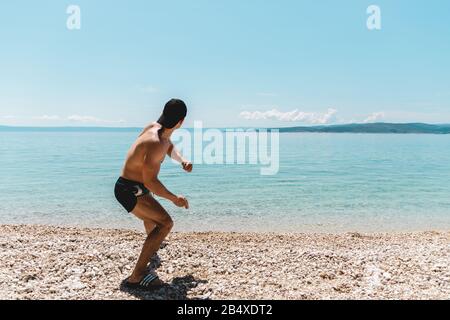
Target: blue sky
<point x="235" y="63"/>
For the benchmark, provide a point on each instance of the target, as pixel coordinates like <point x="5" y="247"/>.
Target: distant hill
<point x="375" y="128"/>
<point x="341" y="128"/>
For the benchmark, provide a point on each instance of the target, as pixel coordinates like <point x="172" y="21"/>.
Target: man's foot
<point x="148" y="282"/>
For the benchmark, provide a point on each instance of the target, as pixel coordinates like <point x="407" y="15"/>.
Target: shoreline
<point x="55" y="262"/>
<point x="191" y="228"/>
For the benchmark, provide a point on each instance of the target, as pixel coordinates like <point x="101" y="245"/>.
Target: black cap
<point x="174" y="111"/>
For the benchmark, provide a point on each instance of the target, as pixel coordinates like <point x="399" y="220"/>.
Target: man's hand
<point x="187" y="166"/>
<point x="181" y="202"/>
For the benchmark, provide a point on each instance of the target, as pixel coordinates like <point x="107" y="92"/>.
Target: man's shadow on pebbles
<point x="176" y="290"/>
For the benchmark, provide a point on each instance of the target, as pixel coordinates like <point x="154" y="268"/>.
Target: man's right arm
<point x="150" y="172"/>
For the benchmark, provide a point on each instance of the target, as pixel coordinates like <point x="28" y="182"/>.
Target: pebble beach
<point x="49" y="262"/>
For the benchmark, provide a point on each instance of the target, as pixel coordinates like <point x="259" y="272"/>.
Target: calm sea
<point x="326" y="183"/>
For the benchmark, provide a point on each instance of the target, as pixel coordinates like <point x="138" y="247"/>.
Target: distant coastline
<point x="395" y="128"/>
<point x="381" y="127"/>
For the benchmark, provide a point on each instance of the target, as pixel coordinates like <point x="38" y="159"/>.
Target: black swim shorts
<point x="127" y="192"/>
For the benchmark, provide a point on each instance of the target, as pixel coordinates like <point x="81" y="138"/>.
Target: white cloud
<point x="9" y="117"/>
<point x="72" y="118"/>
<point x="291" y="116"/>
<point x="149" y="89"/>
<point x="90" y="119"/>
<point x="48" y="118"/>
<point x="374" y="117"/>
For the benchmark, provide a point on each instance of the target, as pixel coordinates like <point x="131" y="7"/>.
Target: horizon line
<point x="237" y="127"/>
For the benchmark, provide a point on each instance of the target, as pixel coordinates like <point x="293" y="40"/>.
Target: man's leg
<point x="151" y="212"/>
<point x="149" y="226"/>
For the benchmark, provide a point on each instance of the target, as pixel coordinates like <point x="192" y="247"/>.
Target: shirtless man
<point x="140" y="177"/>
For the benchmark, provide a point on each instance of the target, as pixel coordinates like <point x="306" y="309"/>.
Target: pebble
<point x="45" y="262"/>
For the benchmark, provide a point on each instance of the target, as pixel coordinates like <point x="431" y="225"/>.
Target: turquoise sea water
<point x="326" y="183"/>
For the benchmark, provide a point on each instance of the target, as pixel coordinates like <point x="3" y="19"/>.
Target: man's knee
<point x="166" y="223"/>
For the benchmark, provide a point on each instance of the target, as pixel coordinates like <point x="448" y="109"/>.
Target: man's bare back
<point x="144" y="159"/>
<point x="146" y="145"/>
<point x="139" y="178"/>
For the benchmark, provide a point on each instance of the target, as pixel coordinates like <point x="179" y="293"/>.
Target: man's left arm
<point x="176" y="155"/>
